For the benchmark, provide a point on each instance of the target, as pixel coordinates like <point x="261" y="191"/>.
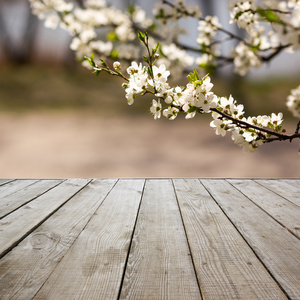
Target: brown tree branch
<point x="245" y="125"/>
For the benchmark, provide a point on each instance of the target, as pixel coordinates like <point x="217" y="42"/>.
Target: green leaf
<point x="154" y="50"/>
<point x="114" y="54"/>
<point x="131" y="9"/>
<point x="146" y="59"/>
<point x="160" y="14"/>
<point x="269" y="15"/>
<point x="193" y="76"/>
<point x="192" y="109"/>
<point x="149" y="70"/>
<point x="255" y="48"/>
<point x="209" y="68"/>
<point x="141" y="36"/>
<point x="97" y="71"/>
<point x="90" y="60"/>
<point x="112" y="36"/>
<point x="152" y="27"/>
<point x="104" y="64"/>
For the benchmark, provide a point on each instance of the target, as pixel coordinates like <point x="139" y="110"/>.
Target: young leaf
<point x="90" y="60"/>
<point x="97" y="71"/>
<point x="112" y="36"/>
<point x="114" y="54"/>
<point x="104" y="64"/>
<point x="146" y="59"/>
<point x="269" y="15"/>
<point x="149" y="70"/>
<point x="131" y="9"/>
<point x="154" y="50"/>
<point x="141" y="36"/>
<point x="193" y="76"/>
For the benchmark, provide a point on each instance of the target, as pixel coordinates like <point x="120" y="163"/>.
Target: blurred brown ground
<point x="84" y="144"/>
<point x="58" y="122"/>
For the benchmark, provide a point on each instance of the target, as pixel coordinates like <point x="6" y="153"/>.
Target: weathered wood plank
<point x="285" y="212"/>
<point x="24" y="270"/>
<point x="14" y="186"/>
<point x="288" y="189"/>
<point x="17" y="225"/>
<point x="159" y="264"/>
<point x="226" y="266"/>
<point x="4" y="181"/>
<point x="25" y="195"/>
<point x="93" y="267"/>
<point x="277" y="248"/>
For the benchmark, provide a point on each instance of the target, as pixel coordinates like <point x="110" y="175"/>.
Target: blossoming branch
<point x="102" y="32"/>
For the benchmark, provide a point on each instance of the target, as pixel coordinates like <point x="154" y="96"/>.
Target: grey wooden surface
<point x="150" y="239"/>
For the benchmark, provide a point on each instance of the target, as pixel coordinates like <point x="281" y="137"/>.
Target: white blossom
<point x="293" y="102"/>
<point x="127" y="51"/>
<point x="207" y="30"/>
<point x="160" y="73"/>
<point x="175" y="59"/>
<point x="102" y="47"/>
<point x="244" y="59"/>
<point x="117" y="65"/>
<point x="155" y="109"/>
<point x="137" y="81"/>
<point x="171" y="112"/>
<point x="52" y="21"/>
<point x="220" y="126"/>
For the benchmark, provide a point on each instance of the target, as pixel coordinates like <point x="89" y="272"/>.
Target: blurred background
<point x="58" y="120"/>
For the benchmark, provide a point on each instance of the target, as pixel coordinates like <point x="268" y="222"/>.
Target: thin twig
<point x="298" y="127"/>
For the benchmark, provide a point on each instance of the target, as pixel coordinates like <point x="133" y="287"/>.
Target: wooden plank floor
<point x="150" y="239"/>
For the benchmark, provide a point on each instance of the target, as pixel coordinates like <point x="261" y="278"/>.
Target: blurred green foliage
<point x="44" y="87"/>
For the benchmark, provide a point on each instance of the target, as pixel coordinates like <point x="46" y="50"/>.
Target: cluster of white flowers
<point x="120" y="29"/>
<point x="50" y="10"/>
<point x="287" y="30"/>
<point x="107" y="32"/>
<point x="175" y="59"/>
<point x="293" y="102"/>
<point x="140" y="81"/>
<point x="197" y="97"/>
<point x="243" y="14"/>
<point x="247" y="137"/>
<point x="245" y="59"/>
<point x="255" y="18"/>
<point x="84" y="25"/>
<point x="207" y="30"/>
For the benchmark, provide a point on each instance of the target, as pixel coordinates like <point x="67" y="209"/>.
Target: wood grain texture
<point x="282" y="210"/>
<point x="276" y="247"/>
<point x="17" y="225"/>
<point x="25" y="195"/>
<point x="150" y="239"/>
<point x="15" y="186"/>
<point x="226" y="266"/>
<point x="288" y="189"/>
<point x="94" y="265"/>
<point x="24" y="270"/>
<point x="159" y="264"/>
